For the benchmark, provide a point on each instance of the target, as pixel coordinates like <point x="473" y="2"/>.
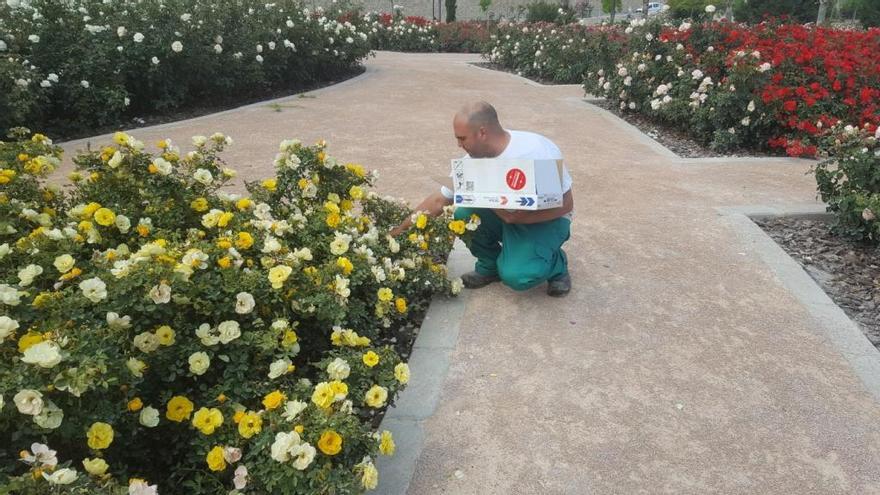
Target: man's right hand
<point x="432" y="205"/>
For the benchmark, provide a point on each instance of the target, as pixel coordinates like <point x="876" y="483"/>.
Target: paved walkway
<point x="678" y="364"/>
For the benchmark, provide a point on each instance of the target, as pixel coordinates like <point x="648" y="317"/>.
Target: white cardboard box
<point x="512" y="184"/>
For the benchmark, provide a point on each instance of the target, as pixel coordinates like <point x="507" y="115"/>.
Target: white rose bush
<point x="212" y="342"/>
<point x="67" y="67"/>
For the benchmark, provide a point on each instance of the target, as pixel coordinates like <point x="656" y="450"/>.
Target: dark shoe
<point x="559" y="286"/>
<point x="474" y="280"/>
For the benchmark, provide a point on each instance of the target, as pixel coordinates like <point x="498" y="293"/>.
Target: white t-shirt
<point x="528" y="145"/>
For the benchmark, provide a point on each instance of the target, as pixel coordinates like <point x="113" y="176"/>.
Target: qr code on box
<point x="469" y="186"/>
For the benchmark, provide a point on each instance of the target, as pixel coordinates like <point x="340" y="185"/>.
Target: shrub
<point x="153" y="326"/>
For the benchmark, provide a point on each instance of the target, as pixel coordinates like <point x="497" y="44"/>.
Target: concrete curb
<point x="369" y="72"/>
<point x="832" y="323"/>
<point x="628" y="128"/>
<point x="522" y="78"/>
<point x="428" y="364"/>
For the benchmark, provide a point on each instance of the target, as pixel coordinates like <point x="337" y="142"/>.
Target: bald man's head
<point x="480" y="114"/>
<point x="478" y="131"/>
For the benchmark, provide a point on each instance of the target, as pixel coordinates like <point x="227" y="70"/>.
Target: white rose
<point x="63" y="476"/>
<point x="50" y="417"/>
<point x="146" y="342"/>
<point x="123" y="223"/>
<point x="64" y="263"/>
<point x="293" y="408"/>
<point x="338" y="369"/>
<point x="160" y="294"/>
<point x="84" y="84"/>
<point x="218" y="48"/>
<point x="149" y="417"/>
<point x="244" y="303"/>
<point x="868" y="215"/>
<point x="2" y="46"/>
<point x="203" y="176"/>
<point x="34" y="38"/>
<point x="745" y="121"/>
<point x="140" y="487"/>
<point x="279" y="368"/>
<point x="155" y="60"/>
<point x="283" y="445"/>
<point x="4" y="250"/>
<point x="118" y="323"/>
<point x="28" y="402"/>
<point x="7" y="326"/>
<point x="241" y="477"/>
<point x="199" y="363"/>
<point x="185" y="17"/>
<point x="163" y="166"/>
<point x="136" y="367"/>
<point x="46" y="354"/>
<point x="229" y="331"/>
<point x="94" y="289"/>
<point x="177" y="46"/>
<point x="303" y="455"/>
<point x="259" y="58"/>
<point x="710" y="9"/>
<point x="27" y="274"/>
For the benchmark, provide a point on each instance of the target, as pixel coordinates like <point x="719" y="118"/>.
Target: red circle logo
<point x="516" y="179"/>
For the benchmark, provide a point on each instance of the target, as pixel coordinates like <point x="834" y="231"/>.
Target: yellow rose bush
<point x="161" y="335"/>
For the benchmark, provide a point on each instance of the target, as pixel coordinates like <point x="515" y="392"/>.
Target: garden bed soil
<point x="674" y="139"/>
<point x="214" y="106"/>
<point x="848" y="272"/>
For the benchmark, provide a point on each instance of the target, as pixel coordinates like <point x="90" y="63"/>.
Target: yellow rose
<point x="90" y="210"/>
<point x="299" y="429"/>
<point x="371" y="359"/>
<point x="421" y="221"/>
<point x="215" y="459"/>
<point x="244" y="240"/>
<point x="356" y="169"/>
<point x="105" y="217"/>
<point x="29" y="339"/>
<point x="273" y="400"/>
<point x="289" y="339"/>
<point x="385" y="294"/>
<point x="376" y="396"/>
<point x="179" y="408"/>
<point x="401" y="373"/>
<point x="457" y="226"/>
<point x="346" y="205"/>
<point x="278" y="275"/>
<point x="165" y="334"/>
<point x="143" y="230"/>
<point x="224" y="262"/>
<point x="333" y="220"/>
<point x="243" y="204"/>
<point x="64" y="263"/>
<point x="96" y="466"/>
<point x="324" y="395"/>
<point x="303" y="183"/>
<point x="340" y="389"/>
<point x="199" y="204"/>
<point x="100" y="436"/>
<point x="207" y="420"/>
<point x="345" y="265"/>
<point x="356" y="192"/>
<point x="270" y="184"/>
<point x="369" y="476"/>
<point x="250" y="425"/>
<point x="386" y="443"/>
<point x="225" y="218"/>
<point x="400" y="304"/>
<point x="135" y="404"/>
<point x="330" y="442"/>
<point x="238" y="416"/>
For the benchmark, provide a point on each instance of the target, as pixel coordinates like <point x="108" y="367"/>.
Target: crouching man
<point x="522" y="249"/>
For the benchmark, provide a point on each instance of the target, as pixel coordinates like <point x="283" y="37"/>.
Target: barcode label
<point x="469" y="186"/>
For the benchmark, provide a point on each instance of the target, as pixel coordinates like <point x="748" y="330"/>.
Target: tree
<point x="753" y="11"/>
<point x="612" y="7"/>
<point x="484" y="5"/>
<point x="866" y="11"/>
<point x="688" y="8"/>
<point x="450" y="10"/>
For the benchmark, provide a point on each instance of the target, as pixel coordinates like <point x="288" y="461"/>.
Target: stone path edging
<point x="839" y="330"/>
<point x="428" y="364"/>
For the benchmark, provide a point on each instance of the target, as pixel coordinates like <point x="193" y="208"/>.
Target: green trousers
<point x="523" y="256"/>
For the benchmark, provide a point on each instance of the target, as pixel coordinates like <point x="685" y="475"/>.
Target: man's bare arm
<point x="538" y="216"/>
<point x="432" y="205"/>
